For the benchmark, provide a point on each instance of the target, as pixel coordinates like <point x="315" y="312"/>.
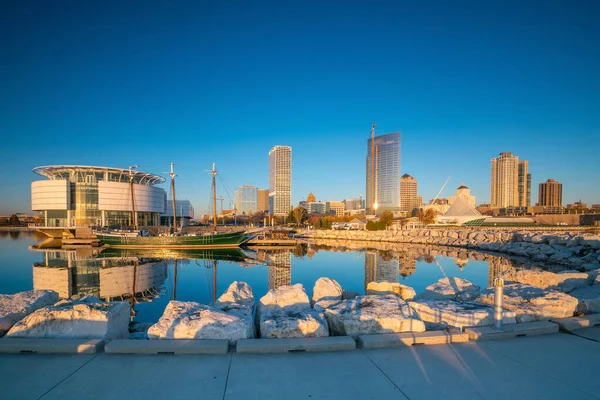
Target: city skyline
<point x="103" y="83"/>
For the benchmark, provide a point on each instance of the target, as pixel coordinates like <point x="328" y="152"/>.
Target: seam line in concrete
<point x="384" y="374"/>
<point x="71" y="374"/>
<point x="541" y="372"/>
<point x="227" y="377"/>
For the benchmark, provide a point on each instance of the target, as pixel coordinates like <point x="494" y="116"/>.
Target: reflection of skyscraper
<point x="496" y="267"/>
<point x="408" y="264"/>
<point x="280" y="269"/>
<point x="378" y="269"/>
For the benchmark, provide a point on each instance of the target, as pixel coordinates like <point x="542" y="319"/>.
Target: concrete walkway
<point x="557" y="366"/>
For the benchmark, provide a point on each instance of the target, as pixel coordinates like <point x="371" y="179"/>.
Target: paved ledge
<point x="512" y="330"/>
<point x="264" y="346"/>
<point x="573" y="323"/>
<point x="27" y="345"/>
<point x="410" y="338"/>
<point x="176" y="346"/>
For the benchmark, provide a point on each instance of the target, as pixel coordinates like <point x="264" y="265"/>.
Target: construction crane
<point x="374" y="198"/>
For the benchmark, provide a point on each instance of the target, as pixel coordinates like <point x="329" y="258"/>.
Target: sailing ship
<point x="176" y="240"/>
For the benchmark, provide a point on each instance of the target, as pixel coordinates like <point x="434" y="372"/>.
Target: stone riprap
<point x="285" y="312"/>
<point x="14" y="307"/>
<point x="326" y="289"/>
<point x="239" y="294"/>
<point x="439" y="314"/>
<point x="565" y="281"/>
<point x="384" y="287"/>
<point x="450" y="288"/>
<point x="589" y="299"/>
<point x="565" y="248"/>
<point x="85" y="318"/>
<point x="190" y="320"/>
<point x="371" y="314"/>
<point x="530" y="303"/>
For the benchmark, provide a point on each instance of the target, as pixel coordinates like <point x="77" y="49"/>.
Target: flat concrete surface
<point x="179" y="346"/>
<point x="50" y="346"/>
<point x="410" y="339"/>
<point x="555" y="366"/>
<point x="574" y="323"/>
<point x="512" y="330"/>
<point x="266" y="346"/>
<point x="589" y="333"/>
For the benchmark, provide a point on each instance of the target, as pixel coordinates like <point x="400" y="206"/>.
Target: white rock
<point x="14" y="307"/>
<point x="349" y="294"/>
<point x="372" y="314"/>
<point x="285" y="296"/>
<point x="564" y="280"/>
<point x="451" y="313"/>
<point x="238" y="293"/>
<point x="293" y="321"/>
<point x="589" y="299"/>
<point x="450" y="288"/>
<point x="384" y="287"/>
<point x="86" y="318"/>
<point x="190" y="320"/>
<point x="531" y="303"/>
<point x="326" y="289"/>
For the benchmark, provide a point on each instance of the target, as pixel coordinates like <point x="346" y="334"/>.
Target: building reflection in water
<point x="280" y="267"/>
<point x="74" y="274"/>
<point x="408" y="264"/>
<point x="496" y="268"/>
<point x="380" y="267"/>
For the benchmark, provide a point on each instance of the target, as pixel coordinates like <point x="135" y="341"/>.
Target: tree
<point x="14" y="220"/>
<point x="386" y="218"/>
<point x="426" y="216"/>
<point x="300" y="215"/>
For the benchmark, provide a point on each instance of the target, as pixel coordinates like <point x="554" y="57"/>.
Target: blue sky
<point x="149" y="83"/>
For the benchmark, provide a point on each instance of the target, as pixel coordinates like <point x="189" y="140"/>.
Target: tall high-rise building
<point x="510" y="181"/>
<point x="524" y="184"/>
<point x="409" y="199"/>
<point x="280" y="180"/>
<point x="246" y="199"/>
<point x="465" y="193"/>
<point x="263" y="200"/>
<point x="550" y="194"/>
<point x="383" y="173"/>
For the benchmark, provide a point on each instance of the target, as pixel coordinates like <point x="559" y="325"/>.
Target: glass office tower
<point x="383" y="173"/>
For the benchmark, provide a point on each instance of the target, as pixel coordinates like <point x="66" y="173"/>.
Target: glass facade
<point x="246" y="200"/>
<point x="383" y="173"/>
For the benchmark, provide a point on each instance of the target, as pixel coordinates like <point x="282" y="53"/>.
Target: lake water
<point x="155" y="281"/>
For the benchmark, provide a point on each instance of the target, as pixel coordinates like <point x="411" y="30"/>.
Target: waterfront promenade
<point x="556" y="366"/>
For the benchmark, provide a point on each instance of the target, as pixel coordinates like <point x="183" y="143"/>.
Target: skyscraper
<point x="280" y="180"/>
<point x="246" y="199"/>
<point x="383" y="173"/>
<point x="510" y="181"/>
<point x="524" y="184"/>
<point x="550" y="194"/>
<point x="409" y="199"/>
<point x="263" y="200"/>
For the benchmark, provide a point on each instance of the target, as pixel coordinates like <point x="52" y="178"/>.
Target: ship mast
<point x="172" y="174"/>
<point x="214" y="191"/>
<point x="133" y="213"/>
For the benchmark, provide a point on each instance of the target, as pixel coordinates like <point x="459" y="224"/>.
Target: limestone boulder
<point x="284" y="296"/>
<point x="588" y="299"/>
<point x="238" y="293"/>
<point x="349" y="294"/>
<point x="372" y="314"/>
<point x="326" y="289"/>
<point x="14" y="307"/>
<point x="564" y="280"/>
<point x="450" y="288"/>
<point x="439" y="314"/>
<point x="85" y="318"/>
<point x="385" y="287"/>
<point x="190" y="320"/>
<point x="531" y="303"/>
<point x="292" y="321"/>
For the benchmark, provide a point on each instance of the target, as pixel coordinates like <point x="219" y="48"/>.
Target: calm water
<point x="152" y="277"/>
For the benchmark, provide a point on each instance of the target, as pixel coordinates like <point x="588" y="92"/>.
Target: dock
<point x="272" y="242"/>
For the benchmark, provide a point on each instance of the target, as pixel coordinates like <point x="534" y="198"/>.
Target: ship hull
<point x="222" y="240"/>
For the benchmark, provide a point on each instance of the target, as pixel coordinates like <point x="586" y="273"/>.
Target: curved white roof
<point x="64" y="172"/>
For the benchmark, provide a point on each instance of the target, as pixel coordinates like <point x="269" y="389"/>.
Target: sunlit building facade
<point x="246" y="199"/>
<point x="84" y="196"/>
<point x="383" y="173"/>
<point x="550" y="194"/>
<point x="280" y="180"/>
<point x="510" y="181"/>
<point x="409" y="198"/>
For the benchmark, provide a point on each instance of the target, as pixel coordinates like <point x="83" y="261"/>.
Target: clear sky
<point x="152" y="82"/>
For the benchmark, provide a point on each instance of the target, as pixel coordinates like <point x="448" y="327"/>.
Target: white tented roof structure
<point x="459" y="213"/>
